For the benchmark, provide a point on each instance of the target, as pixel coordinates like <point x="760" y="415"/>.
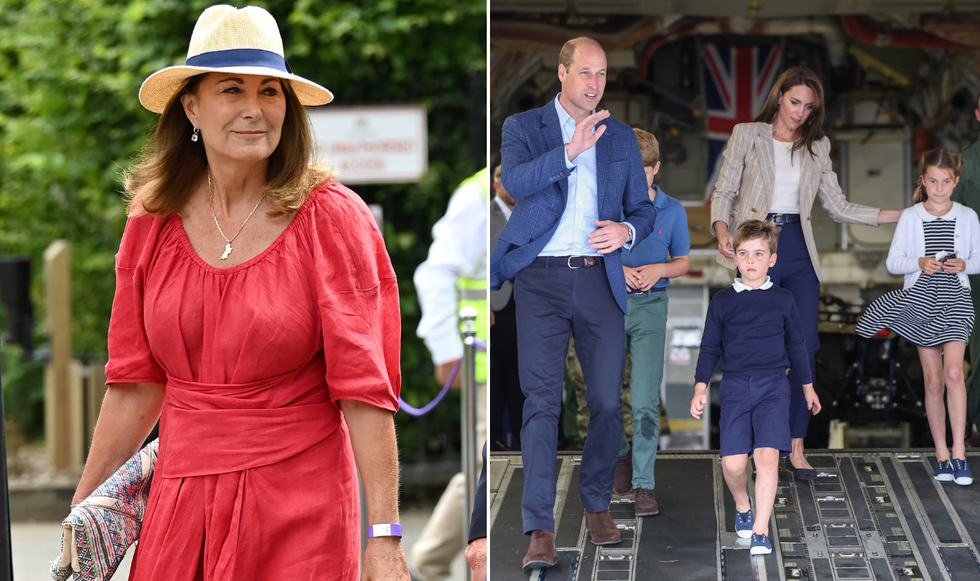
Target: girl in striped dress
<point x="936" y="245"/>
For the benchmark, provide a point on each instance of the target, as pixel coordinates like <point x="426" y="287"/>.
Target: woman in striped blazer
<point x="774" y="168"/>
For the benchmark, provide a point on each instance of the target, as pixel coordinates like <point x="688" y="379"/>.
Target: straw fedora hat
<point x="231" y="40"/>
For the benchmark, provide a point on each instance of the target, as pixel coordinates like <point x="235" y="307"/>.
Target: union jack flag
<point x="737" y="81"/>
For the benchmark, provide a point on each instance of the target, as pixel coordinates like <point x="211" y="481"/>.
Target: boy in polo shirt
<point x="648" y="267"/>
<point x="754" y="329"/>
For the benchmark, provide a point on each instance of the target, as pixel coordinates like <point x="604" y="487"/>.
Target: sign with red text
<point x="372" y="145"/>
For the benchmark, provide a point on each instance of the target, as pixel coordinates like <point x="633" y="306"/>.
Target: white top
<point x="459" y="250"/>
<point x="786" y="186"/>
<point x="909" y="242"/>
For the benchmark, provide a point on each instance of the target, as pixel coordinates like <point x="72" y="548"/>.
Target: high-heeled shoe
<point x="800" y="473"/>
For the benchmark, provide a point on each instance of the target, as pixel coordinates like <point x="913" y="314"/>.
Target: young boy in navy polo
<point x="648" y="268"/>
<point x="754" y="329"/>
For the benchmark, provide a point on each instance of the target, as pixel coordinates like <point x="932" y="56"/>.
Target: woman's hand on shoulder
<point x="930" y="265"/>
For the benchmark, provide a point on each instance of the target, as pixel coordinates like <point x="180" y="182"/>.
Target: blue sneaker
<point x="744" y="522"/>
<point x="944" y="471"/>
<point x="961" y="472"/>
<point x="760" y="545"/>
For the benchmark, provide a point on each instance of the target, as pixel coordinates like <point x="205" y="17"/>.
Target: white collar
<point x="503" y="207"/>
<point x="739" y="286"/>
<point x="920" y="209"/>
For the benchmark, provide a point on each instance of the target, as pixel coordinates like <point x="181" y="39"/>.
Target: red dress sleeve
<point x="130" y="358"/>
<point x="358" y="299"/>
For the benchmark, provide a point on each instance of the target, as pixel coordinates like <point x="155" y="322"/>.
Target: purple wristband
<point x="385" y="530"/>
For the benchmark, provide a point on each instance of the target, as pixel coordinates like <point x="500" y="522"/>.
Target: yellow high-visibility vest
<point x="475" y="291"/>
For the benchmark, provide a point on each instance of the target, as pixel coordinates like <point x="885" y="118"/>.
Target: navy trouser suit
<point x="794" y="272"/>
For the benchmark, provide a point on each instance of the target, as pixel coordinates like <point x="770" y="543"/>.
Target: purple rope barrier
<point x="435" y="401"/>
<point x="414" y="411"/>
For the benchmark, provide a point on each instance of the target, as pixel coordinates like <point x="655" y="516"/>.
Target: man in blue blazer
<point x="574" y="172"/>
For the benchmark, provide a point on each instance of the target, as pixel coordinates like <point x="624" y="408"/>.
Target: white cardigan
<point x="909" y="242"/>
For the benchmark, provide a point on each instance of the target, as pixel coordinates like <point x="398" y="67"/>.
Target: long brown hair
<point x="170" y="164"/>
<point x="812" y="128"/>
<point x="940" y="158"/>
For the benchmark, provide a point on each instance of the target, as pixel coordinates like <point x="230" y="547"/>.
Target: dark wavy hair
<point x="170" y="165"/>
<point x="812" y="128"/>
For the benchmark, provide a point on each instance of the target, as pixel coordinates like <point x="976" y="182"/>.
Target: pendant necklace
<point x="787" y="145"/>
<point x="228" y="242"/>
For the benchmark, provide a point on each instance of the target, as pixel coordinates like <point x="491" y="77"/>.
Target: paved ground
<point x="35" y="545"/>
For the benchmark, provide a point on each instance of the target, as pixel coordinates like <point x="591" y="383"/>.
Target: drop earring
<point x="194" y="134"/>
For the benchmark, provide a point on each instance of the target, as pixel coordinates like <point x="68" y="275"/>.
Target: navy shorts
<point x="754" y="413"/>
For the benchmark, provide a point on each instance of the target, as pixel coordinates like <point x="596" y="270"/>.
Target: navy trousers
<point x="553" y="300"/>
<point x="794" y="272"/>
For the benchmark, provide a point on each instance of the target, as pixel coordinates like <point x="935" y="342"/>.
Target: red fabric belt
<point x="220" y="428"/>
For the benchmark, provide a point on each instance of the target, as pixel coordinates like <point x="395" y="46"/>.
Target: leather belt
<point x="783" y="218"/>
<point x="573" y="262"/>
<point x="630" y="291"/>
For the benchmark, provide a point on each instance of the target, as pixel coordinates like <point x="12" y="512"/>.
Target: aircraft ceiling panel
<point x="727" y="8"/>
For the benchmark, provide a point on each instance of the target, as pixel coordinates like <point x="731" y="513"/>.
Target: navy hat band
<point x="240" y="57"/>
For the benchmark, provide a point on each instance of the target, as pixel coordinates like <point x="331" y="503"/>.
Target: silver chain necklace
<point x="228" y="242"/>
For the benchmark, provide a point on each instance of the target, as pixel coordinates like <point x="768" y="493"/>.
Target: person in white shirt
<point x="458" y="254"/>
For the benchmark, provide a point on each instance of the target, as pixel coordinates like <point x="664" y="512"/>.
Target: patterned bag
<point x="100" y="529"/>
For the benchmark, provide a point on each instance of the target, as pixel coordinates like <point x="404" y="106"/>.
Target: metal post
<point x="469" y="453"/>
<point x="364" y="516"/>
<point x="6" y="550"/>
<point x="844" y="178"/>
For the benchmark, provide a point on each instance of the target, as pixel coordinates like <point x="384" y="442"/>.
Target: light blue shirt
<point x="582" y="207"/>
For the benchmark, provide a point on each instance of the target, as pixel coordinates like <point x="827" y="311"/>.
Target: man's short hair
<point x="567" y="54"/>
<point x="649" y="147"/>
<point x="757" y="229"/>
<point x="497" y="173"/>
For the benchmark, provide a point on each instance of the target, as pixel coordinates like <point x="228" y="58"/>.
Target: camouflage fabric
<point x="576" y="423"/>
<point x="578" y="407"/>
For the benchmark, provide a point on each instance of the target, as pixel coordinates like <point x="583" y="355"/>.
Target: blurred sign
<point x="372" y="145"/>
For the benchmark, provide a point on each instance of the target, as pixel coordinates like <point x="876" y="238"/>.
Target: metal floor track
<point x="868" y="515"/>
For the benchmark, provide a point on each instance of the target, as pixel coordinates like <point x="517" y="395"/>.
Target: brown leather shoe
<point x="623" y="482"/>
<point x="542" y="552"/>
<point x="602" y="528"/>
<point x="644" y="502"/>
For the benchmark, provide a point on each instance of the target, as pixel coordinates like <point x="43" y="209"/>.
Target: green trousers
<point x="646" y="331"/>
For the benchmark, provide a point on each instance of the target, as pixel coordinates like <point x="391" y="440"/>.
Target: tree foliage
<point x="70" y="121"/>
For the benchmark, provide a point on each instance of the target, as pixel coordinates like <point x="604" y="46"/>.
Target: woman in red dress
<point x="256" y="316"/>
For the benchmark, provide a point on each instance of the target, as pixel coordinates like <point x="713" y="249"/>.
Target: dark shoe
<point x="602" y="527"/>
<point x="623" y="482"/>
<point x="961" y="472"/>
<point x="800" y="473"/>
<point x="760" y="545"/>
<point x="542" y="552"/>
<point x="744" y="521"/>
<point x="644" y="502"/>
